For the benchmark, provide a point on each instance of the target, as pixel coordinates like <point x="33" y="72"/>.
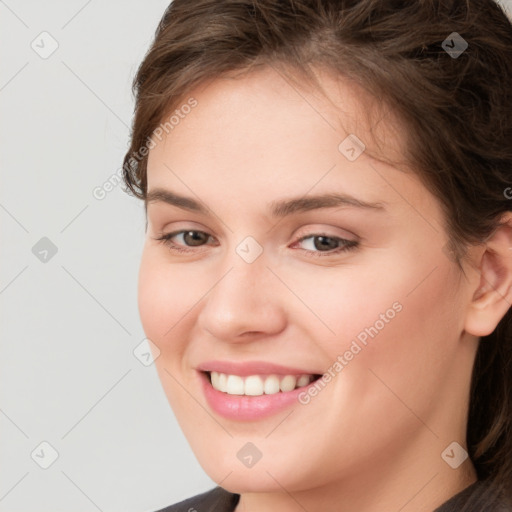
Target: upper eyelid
<point x="315" y="230"/>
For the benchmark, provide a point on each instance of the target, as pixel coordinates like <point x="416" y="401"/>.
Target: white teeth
<point x="235" y="385"/>
<point x="257" y="385"/>
<point x="219" y="381"/>
<point x="253" y="386"/>
<point x="215" y="379"/>
<point x="303" y="380"/>
<point x="223" y="386"/>
<point x="288" y="383"/>
<point x="271" y="386"/>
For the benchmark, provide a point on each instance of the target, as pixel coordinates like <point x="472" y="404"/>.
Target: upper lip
<point x="251" y="368"/>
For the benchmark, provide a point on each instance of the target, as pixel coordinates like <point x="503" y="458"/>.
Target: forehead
<point x="272" y="109"/>
<point x="257" y="139"/>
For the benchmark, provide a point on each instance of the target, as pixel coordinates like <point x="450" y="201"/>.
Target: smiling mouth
<point x="258" y="385"/>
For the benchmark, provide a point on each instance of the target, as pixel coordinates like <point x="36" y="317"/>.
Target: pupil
<point x="195" y="236"/>
<point x="332" y="245"/>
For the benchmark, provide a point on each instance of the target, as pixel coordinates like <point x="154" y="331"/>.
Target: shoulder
<point x="214" y="500"/>
<point x="481" y="496"/>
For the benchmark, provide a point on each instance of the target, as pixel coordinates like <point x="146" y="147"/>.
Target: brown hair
<point x="456" y="110"/>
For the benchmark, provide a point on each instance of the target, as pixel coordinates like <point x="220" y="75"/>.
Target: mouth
<point x="259" y="384"/>
<point x="251" y="392"/>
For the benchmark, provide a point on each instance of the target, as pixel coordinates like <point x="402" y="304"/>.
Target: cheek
<point x="165" y="296"/>
<point x="426" y="331"/>
<point x="346" y="301"/>
<point x="153" y="298"/>
<point x="162" y="303"/>
<point x="409" y="358"/>
<point x="401" y="321"/>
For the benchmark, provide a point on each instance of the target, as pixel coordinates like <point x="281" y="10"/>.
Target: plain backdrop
<point x="85" y="425"/>
<point x="70" y="324"/>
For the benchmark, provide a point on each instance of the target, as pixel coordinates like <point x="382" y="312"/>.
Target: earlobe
<point x="493" y="297"/>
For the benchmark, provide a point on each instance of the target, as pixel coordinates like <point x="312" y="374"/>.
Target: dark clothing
<point x="478" y="497"/>
<point x="214" y="500"/>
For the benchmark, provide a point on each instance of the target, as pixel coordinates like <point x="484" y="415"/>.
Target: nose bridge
<point x="243" y="285"/>
<point x="243" y="298"/>
<point x="245" y="273"/>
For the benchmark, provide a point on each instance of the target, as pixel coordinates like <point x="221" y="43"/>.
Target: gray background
<point x="70" y="324"/>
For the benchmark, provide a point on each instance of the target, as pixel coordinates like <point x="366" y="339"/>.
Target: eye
<point x="325" y="245"/>
<point x="320" y="245"/>
<point x="193" y="237"/>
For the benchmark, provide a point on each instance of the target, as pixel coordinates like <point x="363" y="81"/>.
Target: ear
<point x="493" y="297"/>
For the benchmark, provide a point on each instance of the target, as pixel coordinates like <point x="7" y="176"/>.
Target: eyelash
<point x="349" y="245"/>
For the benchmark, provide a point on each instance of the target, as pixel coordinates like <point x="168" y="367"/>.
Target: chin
<point x="244" y="481"/>
<point x="264" y="476"/>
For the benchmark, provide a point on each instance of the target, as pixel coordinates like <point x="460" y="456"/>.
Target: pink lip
<point x="252" y="368"/>
<point x="248" y="408"/>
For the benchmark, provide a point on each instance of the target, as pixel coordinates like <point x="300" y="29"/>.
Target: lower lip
<point x="248" y="408"/>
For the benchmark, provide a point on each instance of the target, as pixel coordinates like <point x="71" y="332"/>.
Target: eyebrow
<point x="281" y="208"/>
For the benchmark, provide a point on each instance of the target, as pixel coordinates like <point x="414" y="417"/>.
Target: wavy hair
<point x="456" y="110"/>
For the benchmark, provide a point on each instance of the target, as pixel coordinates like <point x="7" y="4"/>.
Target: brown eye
<point x="322" y="243"/>
<point x="325" y="245"/>
<point x="190" y="239"/>
<point x="194" y="238"/>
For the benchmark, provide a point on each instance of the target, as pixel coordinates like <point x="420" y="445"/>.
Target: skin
<point x="372" y="439"/>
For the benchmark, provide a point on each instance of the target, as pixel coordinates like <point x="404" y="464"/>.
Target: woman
<point x="327" y="274"/>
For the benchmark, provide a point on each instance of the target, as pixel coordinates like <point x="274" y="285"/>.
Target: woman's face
<point x="277" y="278"/>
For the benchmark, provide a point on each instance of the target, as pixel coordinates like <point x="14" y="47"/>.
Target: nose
<point x="245" y="303"/>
